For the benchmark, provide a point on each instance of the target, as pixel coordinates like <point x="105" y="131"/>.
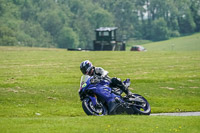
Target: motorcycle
<point x="99" y="99"/>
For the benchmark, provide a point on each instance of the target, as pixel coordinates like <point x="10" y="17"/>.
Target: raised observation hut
<point x="106" y="40"/>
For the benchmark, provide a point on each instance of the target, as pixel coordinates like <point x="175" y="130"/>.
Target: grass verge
<point x="110" y="124"/>
<point x="39" y="90"/>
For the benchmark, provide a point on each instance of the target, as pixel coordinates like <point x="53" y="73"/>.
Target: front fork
<point x="94" y="100"/>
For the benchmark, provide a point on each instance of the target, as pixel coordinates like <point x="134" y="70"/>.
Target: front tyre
<point x="89" y="109"/>
<point x="142" y="108"/>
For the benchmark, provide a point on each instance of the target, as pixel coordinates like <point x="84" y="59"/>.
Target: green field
<point x="39" y="90"/>
<point x="106" y="124"/>
<point x="187" y="43"/>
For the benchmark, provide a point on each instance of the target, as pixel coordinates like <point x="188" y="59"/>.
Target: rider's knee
<point x="116" y="81"/>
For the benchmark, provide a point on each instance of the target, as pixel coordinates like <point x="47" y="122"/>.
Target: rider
<point x="99" y="73"/>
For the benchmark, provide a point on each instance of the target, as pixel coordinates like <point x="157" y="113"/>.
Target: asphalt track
<point x="177" y="114"/>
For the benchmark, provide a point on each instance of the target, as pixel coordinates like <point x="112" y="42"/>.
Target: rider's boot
<point x="125" y="89"/>
<point x="125" y="86"/>
<point x="127" y="83"/>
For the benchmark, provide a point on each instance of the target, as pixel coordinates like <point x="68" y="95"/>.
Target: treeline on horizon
<point x="71" y="23"/>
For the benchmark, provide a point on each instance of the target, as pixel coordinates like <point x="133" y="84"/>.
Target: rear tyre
<point x="89" y="109"/>
<point x="141" y="108"/>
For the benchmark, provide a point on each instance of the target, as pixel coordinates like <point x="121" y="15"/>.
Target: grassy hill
<point x="39" y="90"/>
<point x="186" y="43"/>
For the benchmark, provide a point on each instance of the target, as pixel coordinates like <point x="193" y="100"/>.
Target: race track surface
<point x="178" y="114"/>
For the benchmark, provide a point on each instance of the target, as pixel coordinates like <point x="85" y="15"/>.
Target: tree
<point x="67" y="38"/>
<point x="195" y="11"/>
<point x="37" y="34"/>
<point x="41" y="22"/>
<point x="102" y="18"/>
<point x="51" y="22"/>
<point x="125" y="17"/>
<point x="2" y="7"/>
<point x="7" y="37"/>
<point x="159" y="30"/>
<point x="186" y="23"/>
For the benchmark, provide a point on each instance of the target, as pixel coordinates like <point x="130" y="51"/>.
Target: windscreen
<point x="84" y="79"/>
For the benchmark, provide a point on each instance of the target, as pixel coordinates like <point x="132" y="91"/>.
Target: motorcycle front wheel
<point x="90" y="109"/>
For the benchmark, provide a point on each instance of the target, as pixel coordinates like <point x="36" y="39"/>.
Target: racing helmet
<point x="86" y="66"/>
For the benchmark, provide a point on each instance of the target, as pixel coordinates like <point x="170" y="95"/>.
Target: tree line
<point x="71" y="23"/>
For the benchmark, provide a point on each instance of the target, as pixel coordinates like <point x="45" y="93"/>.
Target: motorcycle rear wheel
<point x="142" y="110"/>
<point x="89" y="109"/>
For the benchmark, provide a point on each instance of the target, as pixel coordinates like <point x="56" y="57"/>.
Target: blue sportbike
<point x="99" y="99"/>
